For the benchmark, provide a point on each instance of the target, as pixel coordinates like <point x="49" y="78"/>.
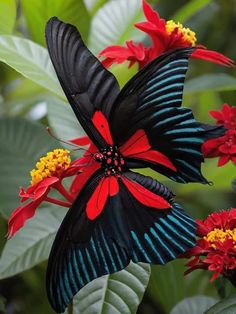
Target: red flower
<point x="223" y="147"/>
<point x="225" y="116"/>
<point x="216" y="247"/>
<point x="166" y="36"/>
<point x="49" y="172"/>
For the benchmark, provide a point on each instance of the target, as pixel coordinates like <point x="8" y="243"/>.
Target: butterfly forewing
<point x="151" y="101"/>
<point x="87" y="84"/>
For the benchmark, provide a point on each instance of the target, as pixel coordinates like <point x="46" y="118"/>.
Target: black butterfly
<point x="120" y="215"/>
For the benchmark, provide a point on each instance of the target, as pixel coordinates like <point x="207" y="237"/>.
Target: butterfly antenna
<point x="67" y="142"/>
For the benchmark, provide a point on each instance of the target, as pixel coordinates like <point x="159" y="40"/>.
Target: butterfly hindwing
<point x="158" y="236"/>
<point x="126" y="230"/>
<point x="86" y="83"/>
<point x="86" y="249"/>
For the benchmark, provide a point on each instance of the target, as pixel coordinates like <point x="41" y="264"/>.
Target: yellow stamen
<point x="53" y="164"/>
<point x="220" y="235"/>
<point x="188" y="34"/>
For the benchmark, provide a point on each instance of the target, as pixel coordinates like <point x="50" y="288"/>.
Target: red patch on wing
<point x="138" y="146"/>
<point x="107" y="187"/>
<point x="157" y="157"/>
<point x="101" y="124"/>
<point x="81" y="141"/>
<point x="137" y="143"/>
<point x="145" y="196"/>
<point x="113" y="186"/>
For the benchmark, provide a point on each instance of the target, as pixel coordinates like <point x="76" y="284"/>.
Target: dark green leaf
<point x="193" y="305"/>
<point x="37" y="13"/>
<point x="226" y="306"/>
<point x="31" y="245"/>
<point x="189" y="9"/>
<point x="22" y="143"/>
<point x="168" y="285"/>
<point x="119" y="293"/>
<point x="62" y="120"/>
<point x="234" y="185"/>
<point x="213" y="82"/>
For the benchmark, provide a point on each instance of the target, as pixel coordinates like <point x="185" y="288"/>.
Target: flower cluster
<point x="165" y="36"/>
<point x="216" y="247"/>
<point x="48" y="174"/>
<point x="223" y="147"/>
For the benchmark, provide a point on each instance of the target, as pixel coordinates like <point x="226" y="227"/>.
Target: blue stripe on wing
<point x="167" y="238"/>
<point x="154" y="99"/>
<point x="83" y="264"/>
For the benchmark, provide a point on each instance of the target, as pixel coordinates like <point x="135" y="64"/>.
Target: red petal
<point x="81" y="141"/>
<point x="215" y="275"/>
<point x="144" y="196"/>
<point x="98" y="199"/>
<point x="151" y="15"/>
<point x="216" y="114"/>
<point x="211" y="147"/>
<point x="101" y="124"/>
<point x="116" y="52"/>
<point x="38" y="190"/>
<point x="108" y="62"/>
<point x="223" y="160"/>
<point x="20" y="215"/>
<point x="212" y="56"/>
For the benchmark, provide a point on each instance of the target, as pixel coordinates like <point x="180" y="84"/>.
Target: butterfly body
<point x="111" y="160"/>
<point x="120" y="215"/>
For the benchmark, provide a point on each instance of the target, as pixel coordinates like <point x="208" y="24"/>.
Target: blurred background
<point x="27" y="106"/>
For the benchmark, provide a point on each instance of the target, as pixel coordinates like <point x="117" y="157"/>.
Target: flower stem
<point x="57" y="202"/>
<point x="63" y="192"/>
<point x="70" y="308"/>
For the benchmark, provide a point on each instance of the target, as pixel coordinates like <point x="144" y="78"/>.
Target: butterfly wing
<point x="86" y="83"/>
<point x="151" y="101"/>
<point x="86" y="249"/>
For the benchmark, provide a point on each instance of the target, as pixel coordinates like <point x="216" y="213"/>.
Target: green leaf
<point x="171" y="280"/>
<point x="189" y="9"/>
<point x="7" y="16"/>
<point x="213" y="82"/>
<point x="31" y="60"/>
<point x="122" y="73"/>
<point x="214" y="174"/>
<point x="119" y="293"/>
<point x="168" y="285"/>
<point x="233" y="184"/>
<point x="114" y="24"/>
<point x="31" y="245"/>
<point x="22" y="143"/>
<point x="37" y="13"/>
<point x="193" y="305"/>
<point x="226" y="306"/>
<point x="94" y="5"/>
<point x="62" y="120"/>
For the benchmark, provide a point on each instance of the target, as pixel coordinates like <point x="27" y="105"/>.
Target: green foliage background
<point x="31" y="98"/>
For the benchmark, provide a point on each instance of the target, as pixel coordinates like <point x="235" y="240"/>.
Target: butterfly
<point x="120" y="215"/>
